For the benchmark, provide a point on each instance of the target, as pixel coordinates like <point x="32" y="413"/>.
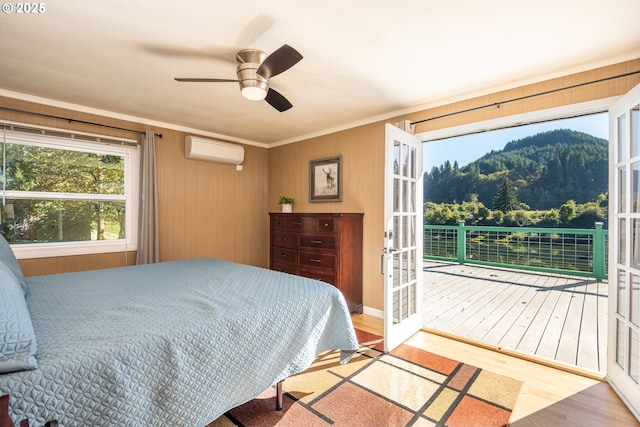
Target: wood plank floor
<point x="559" y="318"/>
<point x="549" y="397"/>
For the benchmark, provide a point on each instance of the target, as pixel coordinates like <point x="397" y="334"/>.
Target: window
<point x="67" y="194"/>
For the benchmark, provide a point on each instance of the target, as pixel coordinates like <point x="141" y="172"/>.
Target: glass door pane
<point x="623" y="366"/>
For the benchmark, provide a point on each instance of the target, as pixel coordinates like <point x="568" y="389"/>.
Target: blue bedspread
<point x="170" y="344"/>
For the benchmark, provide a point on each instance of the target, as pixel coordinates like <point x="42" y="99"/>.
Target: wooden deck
<point x="559" y="318"/>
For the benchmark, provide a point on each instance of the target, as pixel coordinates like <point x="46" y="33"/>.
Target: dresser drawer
<point x="311" y="273"/>
<point x="284" y="255"/>
<point x="319" y="260"/>
<point x="283" y="239"/>
<point x="318" y="241"/>
<point x="285" y="268"/>
<point x="277" y="223"/>
<point x="326" y="224"/>
<point x="293" y="223"/>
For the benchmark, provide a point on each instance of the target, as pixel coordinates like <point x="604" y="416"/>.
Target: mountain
<point x="547" y="169"/>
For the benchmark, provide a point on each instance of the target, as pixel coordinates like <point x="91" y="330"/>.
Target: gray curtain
<point x="148" y="247"/>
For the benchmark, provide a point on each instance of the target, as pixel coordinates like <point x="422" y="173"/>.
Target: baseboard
<point x="373" y="312"/>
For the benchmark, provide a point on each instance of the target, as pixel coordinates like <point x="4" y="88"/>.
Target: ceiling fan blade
<point x="277" y="101"/>
<point x="198" y="80"/>
<point x="280" y="60"/>
<point x="215" y="52"/>
<point x="254" y="30"/>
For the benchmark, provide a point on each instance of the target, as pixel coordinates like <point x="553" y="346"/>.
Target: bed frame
<point x="5" y="420"/>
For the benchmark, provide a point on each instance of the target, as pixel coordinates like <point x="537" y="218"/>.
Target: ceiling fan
<point x="254" y="70"/>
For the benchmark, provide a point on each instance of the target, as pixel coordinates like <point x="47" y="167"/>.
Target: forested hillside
<point x="546" y="169"/>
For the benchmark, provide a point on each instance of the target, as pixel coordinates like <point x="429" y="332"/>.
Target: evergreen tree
<point x="506" y="199"/>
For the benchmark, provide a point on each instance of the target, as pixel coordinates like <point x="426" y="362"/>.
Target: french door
<point x="403" y="251"/>
<point x="623" y="365"/>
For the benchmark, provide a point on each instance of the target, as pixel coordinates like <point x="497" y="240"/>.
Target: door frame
<point x="602" y="105"/>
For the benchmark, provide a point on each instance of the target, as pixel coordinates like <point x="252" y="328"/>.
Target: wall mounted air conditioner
<point x="199" y="148"/>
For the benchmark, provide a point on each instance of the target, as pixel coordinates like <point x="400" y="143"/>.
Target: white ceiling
<point x="363" y="59"/>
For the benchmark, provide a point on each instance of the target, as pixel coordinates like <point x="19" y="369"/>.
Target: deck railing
<point x="578" y="252"/>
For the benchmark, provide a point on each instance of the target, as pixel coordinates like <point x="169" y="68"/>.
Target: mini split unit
<point x="199" y="148"/>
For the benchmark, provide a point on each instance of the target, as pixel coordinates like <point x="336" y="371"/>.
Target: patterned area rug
<point x="407" y="387"/>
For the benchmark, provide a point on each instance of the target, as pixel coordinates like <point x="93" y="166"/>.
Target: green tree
<point x="588" y="216"/>
<point x="603" y="200"/>
<point x="552" y="217"/>
<point x="567" y="211"/>
<point x="506" y="199"/>
<point x="519" y="218"/>
<point x="498" y="216"/>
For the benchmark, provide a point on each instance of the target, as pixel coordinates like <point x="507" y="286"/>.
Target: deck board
<point x="560" y="318"/>
<point x="548" y="346"/>
<point x="527" y="308"/>
<point x="531" y="339"/>
<point x="493" y="323"/>
<point x="588" y="353"/>
<point x="507" y="313"/>
<point x="567" y="348"/>
<point x="472" y="306"/>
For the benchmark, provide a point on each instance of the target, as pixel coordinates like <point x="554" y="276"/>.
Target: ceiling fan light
<point x="254" y="93"/>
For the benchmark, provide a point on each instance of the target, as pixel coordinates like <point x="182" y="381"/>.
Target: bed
<point x="169" y="344"/>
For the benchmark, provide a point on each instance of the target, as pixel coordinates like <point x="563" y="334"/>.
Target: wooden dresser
<point x="323" y="246"/>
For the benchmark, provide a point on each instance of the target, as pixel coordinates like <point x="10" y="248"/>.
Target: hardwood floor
<point x="549" y="397"/>
<point x="368" y="323"/>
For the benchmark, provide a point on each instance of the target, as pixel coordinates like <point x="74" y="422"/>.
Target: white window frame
<point x="131" y="153"/>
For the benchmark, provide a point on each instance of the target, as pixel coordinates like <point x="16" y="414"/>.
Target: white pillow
<point x="18" y="346"/>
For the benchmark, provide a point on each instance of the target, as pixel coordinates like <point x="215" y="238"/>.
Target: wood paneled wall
<point x="205" y="209"/>
<point x="210" y="209"/>
<point x="362" y="149"/>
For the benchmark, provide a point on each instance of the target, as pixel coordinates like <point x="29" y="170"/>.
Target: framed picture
<point x="325" y="180"/>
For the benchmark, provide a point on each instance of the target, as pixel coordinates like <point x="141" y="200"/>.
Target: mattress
<point x="170" y="344"/>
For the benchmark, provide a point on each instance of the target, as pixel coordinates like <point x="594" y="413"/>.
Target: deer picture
<point x="330" y="180"/>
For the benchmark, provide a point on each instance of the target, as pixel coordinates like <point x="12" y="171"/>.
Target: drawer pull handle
<point x="297" y="223"/>
<point x="326" y="224"/>
<point x="317" y="242"/>
<point x="315" y="260"/>
<point x="284" y="238"/>
<point x="283" y="255"/>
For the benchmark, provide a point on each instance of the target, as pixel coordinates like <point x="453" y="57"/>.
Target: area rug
<point x="407" y="387"/>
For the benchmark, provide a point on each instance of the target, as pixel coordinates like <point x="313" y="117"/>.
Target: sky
<point x="466" y="149"/>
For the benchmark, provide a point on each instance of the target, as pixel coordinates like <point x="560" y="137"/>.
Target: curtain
<point x="148" y="247"/>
